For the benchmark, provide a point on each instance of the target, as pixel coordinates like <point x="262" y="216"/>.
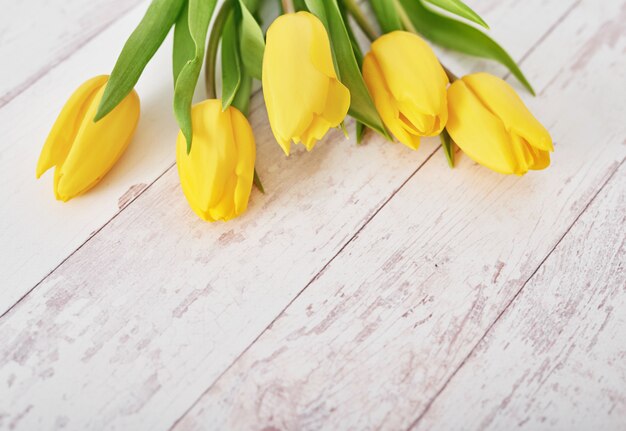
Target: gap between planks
<point x="54" y="266"/>
<point x="173" y="164"/>
<point x="14" y="92"/>
<point x="311" y="281"/>
<point x="149" y="185"/>
<point x="511" y="301"/>
<point x="96" y="232"/>
<point x="360" y="229"/>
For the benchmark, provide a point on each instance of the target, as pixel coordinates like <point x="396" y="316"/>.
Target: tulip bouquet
<point x="313" y="74"/>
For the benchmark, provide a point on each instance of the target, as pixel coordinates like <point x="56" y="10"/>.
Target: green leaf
<point x="459" y="8"/>
<point x="387" y="15"/>
<point x="242" y="98"/>
<point x="317" y="8"/>
<point x="361" y="105"/>
<point x="448" y="147"/>
<point x="142" y="44"/>
<point x="459" y="36"/>
<point x="184" y="47"/>
<point x="299" y="5"/>
<point x="351" y="7"/>
<point x="200" y="12"/>
<point x="252" y="5"/>
<point x="356" y="48"/>
<point x="215" y="38"/>
<point x="257" y="182"/>
<point x="231" y="67"/>
<point x="360" y="127"/>
<point x="360" y="132"/>
<point x="251" y="41"/>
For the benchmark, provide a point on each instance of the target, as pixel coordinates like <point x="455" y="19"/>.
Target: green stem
<point x="361" y="20"/>
<point x="211" y="52"/>
<point x="404" y="17"/>
<point x="242" y="99"/>
<point x="288" y="6"/>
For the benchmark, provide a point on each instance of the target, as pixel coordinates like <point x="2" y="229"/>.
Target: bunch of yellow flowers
<point x="313" y="75"/>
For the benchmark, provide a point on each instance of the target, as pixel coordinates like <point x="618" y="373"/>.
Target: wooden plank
<point x="382" y="329"/>
<point x="37" y="37"/>
<point x="38" y="232"/>
<point x="556" y="359"/>
<point x="184" y="298"/>
<point x="40" y="243"/>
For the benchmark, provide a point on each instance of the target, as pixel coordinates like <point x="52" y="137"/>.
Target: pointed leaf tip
<point x="458" y="8"/>
<point x="460" y="36"/>
<point x="140" y="47"/>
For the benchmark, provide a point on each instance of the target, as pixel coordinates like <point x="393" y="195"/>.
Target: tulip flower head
<point x="491" y="124"/>
<point x="82" y="151"/>
<point x="408" y="86"/>
<point x="303" y="96"/>
<point x="216" y="176"/>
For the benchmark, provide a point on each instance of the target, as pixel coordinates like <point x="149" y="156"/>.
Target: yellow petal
<point x="299" y="81"/>
<point x="498" y="96"/>
<point x="541" y="159"/>
<point x="216" y="176"/>
<point x="401" y="127"/>
<point x="479" y="133"/>
<point x="408" y="86"/>
<point x="244" y="139"/>
<point x="414" y="77"/>
<point x="199" y="171"/>
<point x="97" y="146"/>
<point x="320" y="54"/>
<point x="337" y="103"/>
<point x="65" y="128"/>
<point x="316" y="131"/>
<point x="293" y="86"/>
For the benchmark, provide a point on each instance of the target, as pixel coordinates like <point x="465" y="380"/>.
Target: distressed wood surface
<point x="44" y="232"/>
<point x="158" y="308"/>
<point x="555" y="360"/>
<point x="379" y="333"/>
<point x="37" y="36"/>
<point x="41" y="231"/>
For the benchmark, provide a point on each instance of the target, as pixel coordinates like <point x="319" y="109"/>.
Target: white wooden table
<point x="371" y="288"/>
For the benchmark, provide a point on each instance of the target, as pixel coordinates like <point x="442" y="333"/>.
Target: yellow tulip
<point x="303" y="96"/>
<point x="216" y="176"/>
<point x="82" y="151"/>
<point x="491" y="124"/>
<point x="408" y="86"/>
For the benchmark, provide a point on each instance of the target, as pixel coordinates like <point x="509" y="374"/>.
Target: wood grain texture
<point x="43" y="232"/>
<point x="37" y="36"/>
<point x="169" y="317"/>
<point x="38" y="232"/>
<point x="556" y="359"/>
<point x="380" y="332"/>
<point x="135" y="325"/>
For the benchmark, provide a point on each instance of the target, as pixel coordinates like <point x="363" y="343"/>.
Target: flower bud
<point x="303" y="96"/>
<point x="216" y="176"/>
<point x="491" y="124"/>
<point x="82" y="151"/>
<point x="408" y="86"/>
